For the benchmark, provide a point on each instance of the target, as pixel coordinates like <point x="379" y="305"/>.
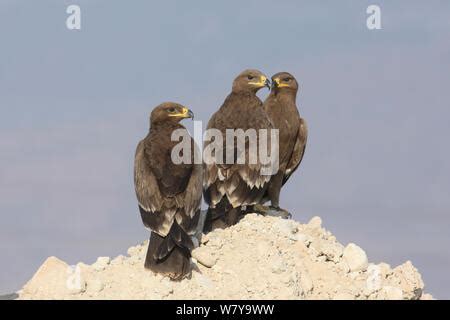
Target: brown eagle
<point x="169" y="194"/>
<point x="229" y="188"/>
<point x="282" y="110"/>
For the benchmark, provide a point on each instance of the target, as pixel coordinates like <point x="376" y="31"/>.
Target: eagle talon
<point x="258" y="209"/>
<point x="271" y="211"/>
<point x="279" y="212"/>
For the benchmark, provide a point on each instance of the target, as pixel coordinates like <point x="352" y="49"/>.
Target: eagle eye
<point x="287" y="79"/>
<point x="250" y="77"/>
<point x="172" y="110"/>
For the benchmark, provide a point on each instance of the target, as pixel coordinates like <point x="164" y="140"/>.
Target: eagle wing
<point x="299" y="150"/>
<point x="190" y="199"/>
<point x="146" y="186"/>
<point x="242" y="184"/>
<point x="160" y="207"/>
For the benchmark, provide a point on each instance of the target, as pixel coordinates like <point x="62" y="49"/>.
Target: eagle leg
<point x="233" y="216"/>
<point x="274" y="189"/>
<point x="271" y="211"/>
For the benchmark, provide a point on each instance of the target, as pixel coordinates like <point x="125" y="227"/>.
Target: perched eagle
<point x="229" y="188"/>
<point x="282" y="110"/>
<point x="169" y="194"/>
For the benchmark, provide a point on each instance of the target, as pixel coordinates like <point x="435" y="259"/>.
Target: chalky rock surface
<point x="259" y="258"/>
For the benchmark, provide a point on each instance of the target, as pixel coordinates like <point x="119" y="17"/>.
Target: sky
<point x="75" y="103"/>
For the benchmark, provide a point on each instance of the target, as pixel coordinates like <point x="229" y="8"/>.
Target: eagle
<point x="281" y="108"/>
<point x="168" y="192"/>
<point x="230" y="187"/>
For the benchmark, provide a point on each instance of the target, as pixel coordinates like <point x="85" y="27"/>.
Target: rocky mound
<point x="259" y="258"/>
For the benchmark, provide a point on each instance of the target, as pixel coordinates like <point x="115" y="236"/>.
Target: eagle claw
<point x="272" y="211"/>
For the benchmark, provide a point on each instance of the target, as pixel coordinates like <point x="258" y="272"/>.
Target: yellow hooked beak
<point x="277" y="83"/>
<point x="263" y="82"/>
<point x="185" y="113"/>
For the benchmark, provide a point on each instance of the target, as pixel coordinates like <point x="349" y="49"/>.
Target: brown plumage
<point x="229" y="187"/>
<point x="282" y="110"/>
<point x="169" y="194"/>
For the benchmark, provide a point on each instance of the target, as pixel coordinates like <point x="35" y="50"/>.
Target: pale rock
<point x="118" y="260"/>
<point x="306" y="282"/>
<point x="304" y="238"/>
<point x="101" y="263"/>
<point x="390" y="293"/>
<point x="321" y="259"/>
<point x="78" y="289"/>
<point x="142" y="254"/>
<point x="385" y="269"/>
<point x="95" y="286"/>
<point x="278" y="266"/>
<point x="295" y="284"/>
<point x="203" y="281"/>
<point x="344" y="296"/>
<point x="144" y="244"/>
<point x="287" y="279"/>
<point x="343" y="266"/>
<point x="134" y="259"/>
<point x="333" y="251"/>
<point x="251" y="260"/>
<point x="204" y="256"/>
<point x="410" y="280"/>
<point x="166" y="292"/>
<point x="52" y="276"/>
<point x="355" y="257"/>
<point x="326" y="235"/>
<point x="263" y="248"/>
<point x="315" y="222"/>
<point x="84" y="268"/>
<point x="133" y="251"/>
<point x="314" y="252"/>
<point x="316" y="247"/>
<point x="216" y="242"/>
<point x="285" y="227"/>
<point x="76" y="283"/>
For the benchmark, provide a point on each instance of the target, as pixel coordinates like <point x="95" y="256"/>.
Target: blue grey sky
<point x="75" y="103"/>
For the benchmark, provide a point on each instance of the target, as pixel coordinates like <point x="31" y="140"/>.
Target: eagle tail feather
<point x="166" y="256"/>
